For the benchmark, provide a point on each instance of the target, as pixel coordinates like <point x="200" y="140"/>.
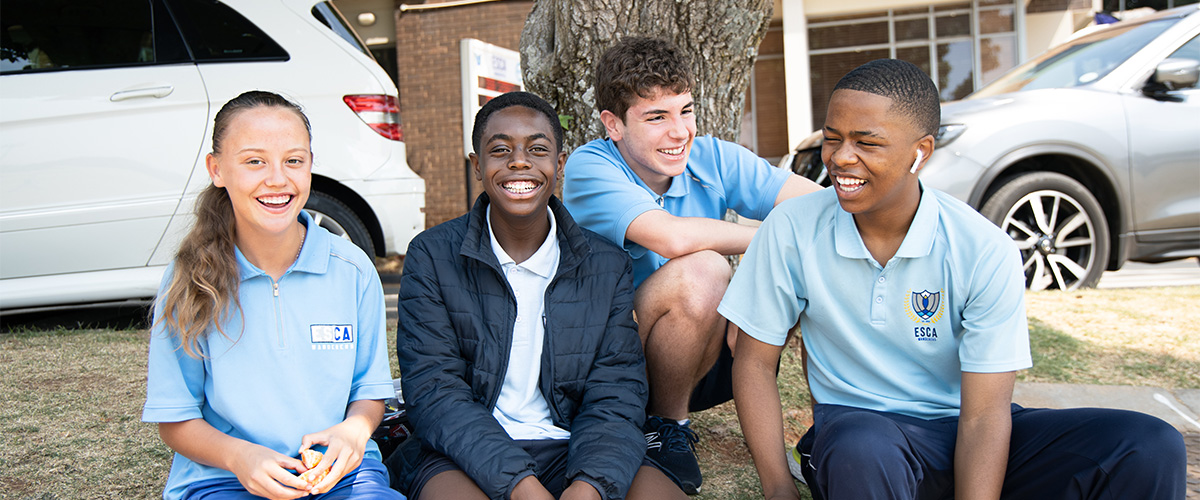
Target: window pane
<point x="984" y="3"/>
<point x="912" y="29"/>
<point x="953" y="25"/>
<point x="848" y="35"/>
<point x="827" y="69"/>
<point x="917" y="10"/>
<point x="216" y="32"/>
<point x="63" y="34"/>
<point x="996" y="21"/>
<point x="997" y="54"/>
<point x="916" y="55"/>
<point x="954" y="70"/>
<point x="953" y="6"/>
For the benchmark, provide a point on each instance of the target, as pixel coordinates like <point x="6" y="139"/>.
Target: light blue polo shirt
<point x="894" y="338"/>
<point x="294" y="359"/>
<point x="603" y="194"/>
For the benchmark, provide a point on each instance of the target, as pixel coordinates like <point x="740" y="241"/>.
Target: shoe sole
<point x="687" y="487"/>
<point x="797" y="470"/>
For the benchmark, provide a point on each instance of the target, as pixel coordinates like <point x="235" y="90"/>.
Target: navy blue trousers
<point x="1082" y="453"/>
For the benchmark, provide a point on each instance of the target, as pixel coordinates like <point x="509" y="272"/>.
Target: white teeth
<point x="676" y="151"/>
<point x="275" y="199"/>
<point x="849" y="182"/>
<point x="520" y="187"/>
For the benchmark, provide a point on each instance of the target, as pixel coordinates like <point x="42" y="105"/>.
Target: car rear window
<point x="54" y="35"/>
<point x="216" y="32"/>
<point x="333" y="19"/>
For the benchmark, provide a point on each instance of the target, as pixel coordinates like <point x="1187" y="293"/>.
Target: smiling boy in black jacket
<point x="522" y="370"/>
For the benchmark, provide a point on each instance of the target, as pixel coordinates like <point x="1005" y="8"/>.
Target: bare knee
<point x="692" y="284"/>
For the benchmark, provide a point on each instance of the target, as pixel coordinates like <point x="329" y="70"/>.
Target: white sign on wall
<point x="487" y="71"/>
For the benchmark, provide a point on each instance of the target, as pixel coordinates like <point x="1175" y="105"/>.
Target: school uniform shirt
<point x="289" y="361"/>
<point x="521" y="408"/>
<point x="605" y="195"/>
<point x="893" y="337"/>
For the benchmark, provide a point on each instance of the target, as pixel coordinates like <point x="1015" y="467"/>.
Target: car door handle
<point x="155" y="92"/>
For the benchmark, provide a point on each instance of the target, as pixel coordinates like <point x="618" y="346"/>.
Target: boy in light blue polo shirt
<point x="658" y="190"/>
<point x="911" y="308"/>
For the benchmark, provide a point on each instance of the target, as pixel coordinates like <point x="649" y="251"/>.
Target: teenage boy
<point x="659" y="191"/>
<point x="523" y="373"/>
<point x="911" y="308"/>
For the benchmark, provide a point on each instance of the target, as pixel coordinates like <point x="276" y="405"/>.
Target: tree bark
<point x="563" y="39"/>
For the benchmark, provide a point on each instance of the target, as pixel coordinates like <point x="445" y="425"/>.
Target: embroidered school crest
<point x="925" y="306"/>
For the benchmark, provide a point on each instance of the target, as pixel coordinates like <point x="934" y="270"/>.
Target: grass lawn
<point x="70" y="423"/>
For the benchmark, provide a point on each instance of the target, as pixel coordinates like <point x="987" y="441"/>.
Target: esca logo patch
<point x="332" y="337"/>
<point x="925" y="308"/>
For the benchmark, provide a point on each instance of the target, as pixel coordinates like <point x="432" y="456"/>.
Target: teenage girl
<point x="268" y="336"/>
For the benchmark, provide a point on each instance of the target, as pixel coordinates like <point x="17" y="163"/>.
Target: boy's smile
<point x="518" y="162"/>
<point x="655" y="136"/>
<point x="868" y="150"/>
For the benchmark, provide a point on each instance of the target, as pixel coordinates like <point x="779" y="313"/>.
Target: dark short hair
<point x="912" y="93"/>
<point x="637" y="66"/>
<point x="526" y="99"/>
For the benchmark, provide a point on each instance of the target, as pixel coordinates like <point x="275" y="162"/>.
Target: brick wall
<point x="430" y="87"/>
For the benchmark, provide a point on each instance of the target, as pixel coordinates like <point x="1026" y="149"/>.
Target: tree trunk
<point x="563" y="39"/>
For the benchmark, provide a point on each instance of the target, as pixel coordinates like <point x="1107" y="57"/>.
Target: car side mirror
<point x="1173" y="74"/>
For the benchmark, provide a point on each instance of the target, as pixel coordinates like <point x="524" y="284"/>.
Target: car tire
<point x="1058" y="226"/>
<point x="339" y="219"/>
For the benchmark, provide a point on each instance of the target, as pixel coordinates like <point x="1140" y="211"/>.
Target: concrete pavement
<point x="1179" y="407"/>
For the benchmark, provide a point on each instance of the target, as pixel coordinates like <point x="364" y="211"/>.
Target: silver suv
<point x="1087" y="156"/>
<point x="106" y="111"/>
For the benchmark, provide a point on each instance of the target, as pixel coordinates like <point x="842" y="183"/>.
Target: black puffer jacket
<point x="455" y="330"/>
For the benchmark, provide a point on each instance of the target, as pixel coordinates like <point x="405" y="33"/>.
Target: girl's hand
<point x="345" y="443"/>
<point x="265" y="472"/>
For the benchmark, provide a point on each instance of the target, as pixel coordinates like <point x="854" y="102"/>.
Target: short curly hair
<point x="638" y="66"/>
<point x="912" y="92"/>
<point x="526" y="99"/>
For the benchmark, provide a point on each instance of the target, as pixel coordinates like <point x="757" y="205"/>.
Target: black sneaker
<point x="672" y="448"/>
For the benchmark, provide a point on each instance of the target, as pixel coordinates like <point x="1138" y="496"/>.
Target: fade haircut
<point x="526" y="99"/>
<point x="638" y="66"/>
<point x="912" y="93"/>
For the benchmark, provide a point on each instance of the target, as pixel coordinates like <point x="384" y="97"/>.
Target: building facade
<point x="962" y="44"/>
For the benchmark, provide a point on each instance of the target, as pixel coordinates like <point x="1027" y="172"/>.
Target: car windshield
<point x="1078" y="62"/>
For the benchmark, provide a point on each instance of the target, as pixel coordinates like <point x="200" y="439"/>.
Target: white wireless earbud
<point x="917" y="162"/>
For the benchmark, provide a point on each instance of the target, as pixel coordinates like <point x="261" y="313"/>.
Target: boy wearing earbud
<point x="911" y="308"/>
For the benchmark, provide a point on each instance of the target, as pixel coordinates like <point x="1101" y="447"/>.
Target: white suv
<point x="106" y="111"/>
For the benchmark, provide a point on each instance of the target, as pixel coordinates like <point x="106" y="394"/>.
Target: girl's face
<point x="265" y="164"/>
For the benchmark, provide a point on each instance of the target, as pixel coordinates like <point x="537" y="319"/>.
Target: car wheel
<point x="1058" y="226"/>
<point x="338" y="219"/>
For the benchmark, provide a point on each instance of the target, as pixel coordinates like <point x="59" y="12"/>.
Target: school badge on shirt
<point x="332" y="337"/>
<point x="925" y="308"/>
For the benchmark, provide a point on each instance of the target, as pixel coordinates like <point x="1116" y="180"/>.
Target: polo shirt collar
<point x="543" y="262"/>
<point x="917" y="243"/>
<point x="316" y="246"/>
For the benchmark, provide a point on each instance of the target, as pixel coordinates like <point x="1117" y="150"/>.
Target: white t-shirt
<point x="521" y="408"/>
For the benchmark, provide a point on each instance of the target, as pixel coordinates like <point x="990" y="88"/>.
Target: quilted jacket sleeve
<point x="607" y="444"/>
<point x="441" y="405"/>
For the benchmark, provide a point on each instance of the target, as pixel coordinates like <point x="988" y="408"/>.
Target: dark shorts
<point x="717" y="386"/>
<point x="550" y="455"/>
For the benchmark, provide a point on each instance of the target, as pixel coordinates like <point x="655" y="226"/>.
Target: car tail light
<point x="378" y="111"/>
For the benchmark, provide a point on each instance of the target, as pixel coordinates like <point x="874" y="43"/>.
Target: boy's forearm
<point x="756" y="394"/>
<point x="984" y="432"/>
<point x="671" y="236"/>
